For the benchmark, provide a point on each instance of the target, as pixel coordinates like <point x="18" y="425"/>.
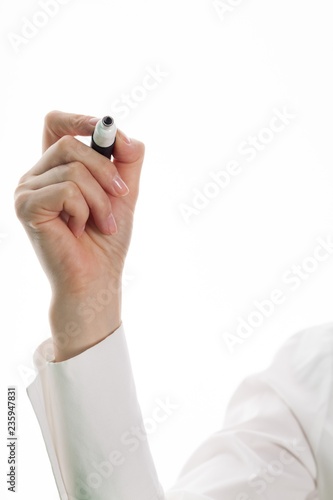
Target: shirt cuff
<point x="92" y="424"/>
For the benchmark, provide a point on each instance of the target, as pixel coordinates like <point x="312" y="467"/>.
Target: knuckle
<point x="66" y="144"/>
<point x="71" y="190"/>
<point x="50" y="117"/>
<point x="20" y="203"/>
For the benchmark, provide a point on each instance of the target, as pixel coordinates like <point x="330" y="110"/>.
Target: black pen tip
<point x="107" y="121"/>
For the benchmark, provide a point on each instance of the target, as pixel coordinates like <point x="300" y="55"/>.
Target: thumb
<point x="128" y="156"/>
<point x="57" y="124"/>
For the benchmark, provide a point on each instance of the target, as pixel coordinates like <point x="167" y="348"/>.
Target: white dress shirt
<point x="276" y="442"/>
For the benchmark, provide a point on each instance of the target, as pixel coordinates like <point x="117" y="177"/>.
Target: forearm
<point x="79" y="322"/>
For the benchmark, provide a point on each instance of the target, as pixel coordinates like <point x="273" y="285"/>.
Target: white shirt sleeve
<point x="277" y="439"/>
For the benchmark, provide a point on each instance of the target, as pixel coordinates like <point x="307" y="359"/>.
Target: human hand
<point x="67" y="204"/>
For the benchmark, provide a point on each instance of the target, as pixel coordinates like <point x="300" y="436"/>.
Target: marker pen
<point x="104" y="136"/>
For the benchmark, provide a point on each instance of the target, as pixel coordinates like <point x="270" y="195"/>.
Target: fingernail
<point x="111" y="224"/>
<point x="93" y="121"/>
<point x="119" y="185"/>
<point x="124" y="137"/>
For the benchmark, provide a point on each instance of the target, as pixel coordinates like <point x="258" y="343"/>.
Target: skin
<point x="80" y="226"/>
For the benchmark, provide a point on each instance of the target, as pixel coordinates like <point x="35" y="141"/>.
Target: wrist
<point x="81" y="321"/>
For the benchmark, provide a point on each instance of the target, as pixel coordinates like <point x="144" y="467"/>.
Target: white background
<point x="186" y="283"/>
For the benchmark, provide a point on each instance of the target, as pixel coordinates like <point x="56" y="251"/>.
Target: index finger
<point x="58" y="124"/>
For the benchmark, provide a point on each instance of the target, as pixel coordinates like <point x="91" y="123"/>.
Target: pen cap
<point x="105" y="132"/>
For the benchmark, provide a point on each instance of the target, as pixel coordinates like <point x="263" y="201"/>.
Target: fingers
<point x="94" y="195"/>
<point x="47" y="203"/>
<point x="71" y="169"/>
<point x="61" y="127"/>
<point x="57" y="124"/>
<point x="69" y="150"/>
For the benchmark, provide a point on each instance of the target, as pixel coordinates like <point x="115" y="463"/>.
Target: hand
<point x="68" y="204"/>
